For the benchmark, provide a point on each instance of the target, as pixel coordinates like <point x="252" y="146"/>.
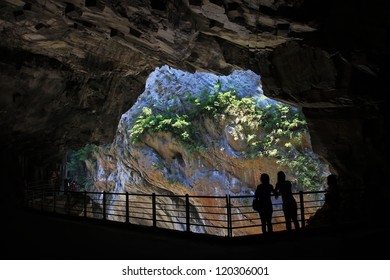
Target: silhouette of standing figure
<point x="263" y="194"/>
<point x="283" y="188"/>
<point x="332" y="199"/>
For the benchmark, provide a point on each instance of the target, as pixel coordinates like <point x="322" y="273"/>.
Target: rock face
<point x="161" y="163"/>
<point x="69" y="69"/>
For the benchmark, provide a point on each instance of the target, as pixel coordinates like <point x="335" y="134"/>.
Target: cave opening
<point x="204" y="120"/>
<point x="199" y="134"/>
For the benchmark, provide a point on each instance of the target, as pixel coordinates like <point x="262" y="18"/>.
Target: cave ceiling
<point x="69" y="69"/>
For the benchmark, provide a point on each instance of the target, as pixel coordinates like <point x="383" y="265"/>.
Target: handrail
<point x="230" y="215"/>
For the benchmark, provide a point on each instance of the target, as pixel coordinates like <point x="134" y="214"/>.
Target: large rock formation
<point x="69" y="69"/>
<point x="220" y="161"/>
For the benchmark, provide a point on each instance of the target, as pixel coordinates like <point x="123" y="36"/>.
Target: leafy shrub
<point x="76" y="164"/>
<point x="283" y="128"/>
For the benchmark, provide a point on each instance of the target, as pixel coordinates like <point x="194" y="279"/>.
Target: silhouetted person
<point x="332" y="199"/>
<point x="283" y="188"/>
<point x="74" y="187"/>
<point x="263" y="194"/>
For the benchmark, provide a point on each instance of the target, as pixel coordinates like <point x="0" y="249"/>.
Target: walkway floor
<point x="32" y="235"/>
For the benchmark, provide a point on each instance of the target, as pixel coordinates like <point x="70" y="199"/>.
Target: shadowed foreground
<point x="33" y="235"/>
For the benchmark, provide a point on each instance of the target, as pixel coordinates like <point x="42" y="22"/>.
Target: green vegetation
<point x="273" y="131"/>
<point x="77" y="168"/>
<point x="308" y="169"/>
<point x="179" y="125"/>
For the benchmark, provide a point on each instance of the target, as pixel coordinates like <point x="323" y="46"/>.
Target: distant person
<point x="74" y="187"/>
<point x="283" y="188"/>
<point x="263" y="193"/>
<point x="332" y="199"/>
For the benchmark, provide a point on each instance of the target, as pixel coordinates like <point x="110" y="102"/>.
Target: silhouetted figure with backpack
<point x="332" y="199"/>
<point x="290" y="209"/>
<point x="263" y="193"/>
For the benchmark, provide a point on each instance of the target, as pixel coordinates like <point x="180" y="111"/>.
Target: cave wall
<point x="69" y="69"/>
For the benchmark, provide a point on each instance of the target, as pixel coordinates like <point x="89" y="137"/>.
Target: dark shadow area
<point x="39" y="236"/>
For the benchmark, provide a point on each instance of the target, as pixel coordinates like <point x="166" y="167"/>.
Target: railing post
<point x="154" y="213"/>
<point x="188" y="213"/>
<point x="127" y="208"/>
<point x="231" y="220"/>
<point x="25" y="198"/>
<point x="43" y="195"/>
<point x="229" y="216"/>
<point x="104" y="205"/>
<point x="85" y="203"/>
<point x="68" y="202"/>
<point x="302" y="206"/>
<point x="54" y="202"/>
<point x="33" y="199"/>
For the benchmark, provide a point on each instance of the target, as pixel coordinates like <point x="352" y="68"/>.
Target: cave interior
<point x="69" y="69"/>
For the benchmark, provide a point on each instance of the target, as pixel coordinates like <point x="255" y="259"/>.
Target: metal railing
<point x="229" y="215"/>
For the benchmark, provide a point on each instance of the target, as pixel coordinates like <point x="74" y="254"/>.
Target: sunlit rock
<point x="160" y="163"/>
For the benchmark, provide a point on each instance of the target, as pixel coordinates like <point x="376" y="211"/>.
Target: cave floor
<point x="39" y="236"/>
